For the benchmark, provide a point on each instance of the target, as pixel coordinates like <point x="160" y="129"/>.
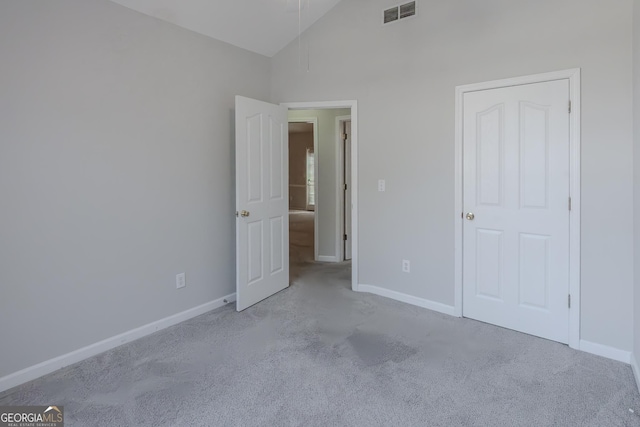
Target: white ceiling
<point x="261" y="26"/>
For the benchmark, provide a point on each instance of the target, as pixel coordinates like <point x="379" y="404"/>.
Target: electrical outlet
<point x="406" y="266"/>
<point x="181" y="280"/>
<point x="381" y="185"/>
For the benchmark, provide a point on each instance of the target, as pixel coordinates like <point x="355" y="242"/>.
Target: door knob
<point x="244" y="214"/>
<point x="470" y="216"/>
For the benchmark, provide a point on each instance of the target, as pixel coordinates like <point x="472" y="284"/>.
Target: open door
<point x="262" y="201"/>
<point x="347" y="190"/>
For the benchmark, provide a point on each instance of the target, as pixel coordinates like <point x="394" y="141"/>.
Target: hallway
<point x="301" y="263"/>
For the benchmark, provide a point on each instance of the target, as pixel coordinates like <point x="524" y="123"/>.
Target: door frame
<point x="314" y="121"/>
<point x="353" y="105"/>
<point x="340" y="170"/>
<point x="573" y="75"/>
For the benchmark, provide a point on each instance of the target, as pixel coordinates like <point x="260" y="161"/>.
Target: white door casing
<point x="516" y="189"/>
<point x="262" y="201"/>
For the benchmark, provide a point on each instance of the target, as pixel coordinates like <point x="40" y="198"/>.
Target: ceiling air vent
<point x="391" y="15"/>
<point x="408" y="9"/>
<point x="399" y="12"/>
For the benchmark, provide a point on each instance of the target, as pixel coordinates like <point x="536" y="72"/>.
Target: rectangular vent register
<point x="399" y="12"/>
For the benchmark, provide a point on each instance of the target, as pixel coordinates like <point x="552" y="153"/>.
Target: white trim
<point x="457" y="235"/>
<point x="574" y="215"/>
<point x="353" y="104"/>
<point x="326" y="258"/>
<point x="51" y="365"/>
<point x="409" y="299"/>
<point x="636" y="369"/>
<point x="605" y="351"/>
<point x="320" y="105"/>
<point x="340" y="192"/>
<point x="314" y="121"/>
<point x="573" y="75"/>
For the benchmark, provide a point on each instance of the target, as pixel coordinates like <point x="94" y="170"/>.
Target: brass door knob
<point x="470" y="216"/>
<point x="244" y="214"/>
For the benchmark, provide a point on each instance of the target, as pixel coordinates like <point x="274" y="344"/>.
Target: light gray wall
<point x="116" y="154"/>
<point x="636" y="161"/>
<point x="327" y="176"/>
<point x="403" y="76"/>
<point x="299" y="143"/>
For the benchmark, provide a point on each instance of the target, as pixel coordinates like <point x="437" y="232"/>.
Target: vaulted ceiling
<point x="261" y="26"/>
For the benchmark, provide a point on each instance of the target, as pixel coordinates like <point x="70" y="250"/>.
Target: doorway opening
<point x="262" y="201"/>
<point x="303" y="143"/>
<point x="324" y="176"/>
<point x="303" y="171"/>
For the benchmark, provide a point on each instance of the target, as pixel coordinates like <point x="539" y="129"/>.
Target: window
<point x="311" y="195"/>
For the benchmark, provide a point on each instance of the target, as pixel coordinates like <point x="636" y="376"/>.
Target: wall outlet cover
<point x="181" y="280"/>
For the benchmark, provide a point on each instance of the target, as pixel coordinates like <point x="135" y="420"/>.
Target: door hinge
<point x="345" y="187"/>
<point x="570" y="107"/>
<point x="569" y="301"/>
<point x="345" y="237"/>
<point x="569" y="203"/>
<point x="344" y="136"/>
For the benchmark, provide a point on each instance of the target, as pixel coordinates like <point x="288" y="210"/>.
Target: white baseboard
<point x="75" y="356"/>
<point x="409" y="299"/>
<point x="325" y="258"/>
<point x="606" y="351"/>
<point x="636" y="369"/>
<point x="586" y="346"/>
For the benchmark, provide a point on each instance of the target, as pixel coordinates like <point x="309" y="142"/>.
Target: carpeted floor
<point x="318" y="354"/>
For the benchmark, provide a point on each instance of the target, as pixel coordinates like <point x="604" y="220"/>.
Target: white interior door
<point x="347" y="190"/>
<point x="516" y="201"/>
<point x="262" y="224"/>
